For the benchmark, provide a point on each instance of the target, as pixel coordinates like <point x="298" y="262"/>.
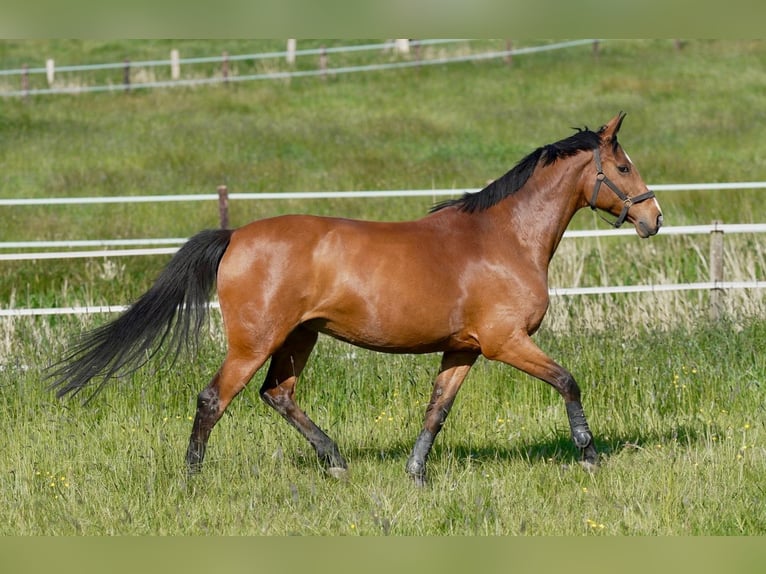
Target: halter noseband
<point x="627" y="202"/>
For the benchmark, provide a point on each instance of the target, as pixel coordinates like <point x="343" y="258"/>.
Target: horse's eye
<point x="623" y="168"/>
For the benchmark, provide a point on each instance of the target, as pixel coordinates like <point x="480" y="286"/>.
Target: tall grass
<point x="675" y="400"/>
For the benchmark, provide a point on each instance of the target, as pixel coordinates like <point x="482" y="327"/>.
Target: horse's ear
<point x="609" y="131"/>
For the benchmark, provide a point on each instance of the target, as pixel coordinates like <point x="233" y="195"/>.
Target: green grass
<point x="676" y="402"/>
<point x="678" y="418"/>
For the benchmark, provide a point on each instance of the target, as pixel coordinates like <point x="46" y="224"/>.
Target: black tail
<point x="179" y="298"/>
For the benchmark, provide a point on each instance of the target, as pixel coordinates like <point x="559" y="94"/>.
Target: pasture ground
<point x="678" y="416"/>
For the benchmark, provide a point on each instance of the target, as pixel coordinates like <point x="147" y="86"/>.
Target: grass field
<point x="676" y="401"/>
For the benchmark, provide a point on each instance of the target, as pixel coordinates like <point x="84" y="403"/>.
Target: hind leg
<point x="278" y="392"/>
<point x="231" y="378"/>
<point x="453" y="370"/>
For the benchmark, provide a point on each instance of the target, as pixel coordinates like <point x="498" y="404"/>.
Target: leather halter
<point x="627" y="202"/>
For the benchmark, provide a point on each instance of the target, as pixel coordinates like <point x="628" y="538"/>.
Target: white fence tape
<point x="233" y="196"/>
<point x="86" y="254"/>
<point x="352" y="194"/>
<point x="553" y="292"/>
<point x="178" y="241"/>
<point x="661" y="288"/>
<point x="86" y="310"/>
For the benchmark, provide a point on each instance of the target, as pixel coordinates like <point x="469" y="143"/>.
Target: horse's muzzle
<point x="645" y="229"/>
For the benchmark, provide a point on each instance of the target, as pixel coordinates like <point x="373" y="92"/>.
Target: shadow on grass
<point x="558" y="449"/>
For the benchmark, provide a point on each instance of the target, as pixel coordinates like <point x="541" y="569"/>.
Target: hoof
<point x="193" y="470"/>
<point x="338" y="472"/>
<point x="589" y="458"/>
<point x="582" y="438"/>
<point x="416" y="471"/>
<point x="419" y="480"/>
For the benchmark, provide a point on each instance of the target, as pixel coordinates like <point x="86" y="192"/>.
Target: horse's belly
<point x="391" y="336"/>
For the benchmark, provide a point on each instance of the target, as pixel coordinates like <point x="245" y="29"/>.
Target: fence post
<point x="25" y="80"/>
<point x="509" y="56"/>
<point x="225" y="67"/>
<point x="291" y="46"/>
<point x="126" y="75"/>
<point x="323" y="63"/>
<point x="716" y="271"/>
<point x="223" y="206"/>
<point x="50" y="71"/>
<point x="175" y="64"/>
<point x="596" y="48"/>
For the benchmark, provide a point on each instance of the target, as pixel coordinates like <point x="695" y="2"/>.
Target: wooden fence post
<point x="126" y="75"/>
<point x="716" y="271"/>
<point x="223" y="206"/>
<point x="25" y="80"/>
<point x="596" y="48"/>
<point x="508" y="57"/>
<point x="225" y="67"/>
<point x="323" y="63"/>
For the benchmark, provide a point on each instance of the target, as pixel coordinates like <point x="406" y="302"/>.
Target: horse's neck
<point x="539" y="212"/>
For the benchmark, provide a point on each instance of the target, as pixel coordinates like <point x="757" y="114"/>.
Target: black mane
<point x="511" y="182"/>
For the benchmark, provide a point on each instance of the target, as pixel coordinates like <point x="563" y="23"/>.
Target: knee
<point x="568" y="387"/>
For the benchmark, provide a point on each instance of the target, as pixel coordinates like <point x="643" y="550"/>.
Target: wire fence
<point x="226" y="75"/>
<point x="176" y="242"/>
<point x="351" y="194"/>
<point x="128" y="247"/>
<point x="553" y="292"/>
<point x="287" y="54"/>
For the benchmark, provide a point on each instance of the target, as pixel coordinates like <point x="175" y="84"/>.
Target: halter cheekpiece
<point x="627" y="202"/>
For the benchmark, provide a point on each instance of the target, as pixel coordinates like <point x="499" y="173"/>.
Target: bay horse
<point x="468" y="279"/>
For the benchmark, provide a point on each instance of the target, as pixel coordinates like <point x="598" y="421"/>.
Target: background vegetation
<point x="676" y="401"/>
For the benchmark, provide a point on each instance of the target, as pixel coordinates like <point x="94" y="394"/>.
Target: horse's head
<point x="618" y="187"/>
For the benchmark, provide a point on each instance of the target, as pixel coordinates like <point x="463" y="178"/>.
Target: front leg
<point x="521" y="352"/>
<point x="581" y="434"/>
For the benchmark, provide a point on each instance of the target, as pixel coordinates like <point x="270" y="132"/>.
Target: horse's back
<point x="335" y="243"/>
